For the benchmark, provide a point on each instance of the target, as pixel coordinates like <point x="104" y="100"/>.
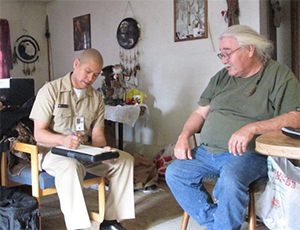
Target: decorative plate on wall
<point x="27" y="49"/>
<point x="128" y="33"/>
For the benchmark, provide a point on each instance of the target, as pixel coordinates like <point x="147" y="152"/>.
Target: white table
<point x="127" y="114"/>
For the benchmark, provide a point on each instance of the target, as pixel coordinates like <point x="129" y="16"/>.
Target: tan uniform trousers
<point x="69" y="174"/>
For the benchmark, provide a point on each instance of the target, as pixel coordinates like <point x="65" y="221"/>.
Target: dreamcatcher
<point x="120" y="78"/>
<point x="128" y="35"/>
<point x="26" y="50"/>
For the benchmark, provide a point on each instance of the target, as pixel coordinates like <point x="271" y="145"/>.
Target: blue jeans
<point x="231" y="190"/>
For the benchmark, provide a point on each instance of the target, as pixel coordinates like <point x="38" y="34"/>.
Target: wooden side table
<point x="279" y="145"/>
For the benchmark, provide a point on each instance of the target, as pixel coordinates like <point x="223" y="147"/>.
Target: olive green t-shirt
<point x="231" y="108"/>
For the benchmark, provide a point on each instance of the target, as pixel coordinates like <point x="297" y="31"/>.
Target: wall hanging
<point x="277" y="11"/>
<point x="120" y="78"/>
<point x="231" y="16"/>
<point x="128" y="33"/>
<point x="47" y="35"/>
<point x="26" y="49"/>
<point x="82" y="32"/>
<point x="190" y="19"/>
<point x="128" y="36"/>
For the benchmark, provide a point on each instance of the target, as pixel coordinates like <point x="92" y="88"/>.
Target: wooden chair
<point x="253" y="187"/>
<point x="43" y="184"/>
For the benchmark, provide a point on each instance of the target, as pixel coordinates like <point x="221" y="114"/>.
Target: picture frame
<point x="190" y="20"/>
<point x="82" y="32"/>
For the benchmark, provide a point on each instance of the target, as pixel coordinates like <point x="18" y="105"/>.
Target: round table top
<point x="277" y="144"/>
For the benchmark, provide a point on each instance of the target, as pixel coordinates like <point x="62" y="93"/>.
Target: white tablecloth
<point x="127" y="114"/>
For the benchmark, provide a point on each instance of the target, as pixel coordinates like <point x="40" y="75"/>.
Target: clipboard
<point x="86" y="153"/>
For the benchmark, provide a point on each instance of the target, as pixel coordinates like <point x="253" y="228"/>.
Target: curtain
<point x="5" y="50"/>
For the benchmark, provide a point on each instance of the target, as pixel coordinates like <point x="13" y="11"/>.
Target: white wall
<point x="173" y="75"/>
<point x="27" y="18"/>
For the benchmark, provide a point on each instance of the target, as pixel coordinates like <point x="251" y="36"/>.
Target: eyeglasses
<point x="225" y="55"/>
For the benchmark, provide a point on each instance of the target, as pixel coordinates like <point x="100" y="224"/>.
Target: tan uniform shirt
<point x="57" y="105"/>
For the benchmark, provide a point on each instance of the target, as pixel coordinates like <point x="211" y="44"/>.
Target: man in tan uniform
<point x="72" y="103"/>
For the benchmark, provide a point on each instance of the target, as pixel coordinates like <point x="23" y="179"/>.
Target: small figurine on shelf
<point x="112" y="88"/>
<point x="120" y="75"/>
<point x="106" y="88"/>
<point x="116" y="82"/>
<point x="119" y="93"/>
<point x="134" y="96"/>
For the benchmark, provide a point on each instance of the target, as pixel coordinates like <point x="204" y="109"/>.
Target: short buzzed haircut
<point x="91" y="55"/>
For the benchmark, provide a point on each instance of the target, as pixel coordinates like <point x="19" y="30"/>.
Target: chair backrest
<point x="194" y="140"/>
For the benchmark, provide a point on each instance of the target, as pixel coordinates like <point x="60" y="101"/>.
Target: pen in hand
<point x="73" y="133"/>
<point x="70" y="131"/>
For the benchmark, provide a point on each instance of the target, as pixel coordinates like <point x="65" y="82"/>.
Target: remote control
<point x="291" y="132"/>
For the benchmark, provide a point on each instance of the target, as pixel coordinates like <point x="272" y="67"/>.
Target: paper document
<point x="86" y="149"/>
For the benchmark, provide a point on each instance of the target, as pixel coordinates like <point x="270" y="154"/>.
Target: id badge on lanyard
<point x="79" y="123"/>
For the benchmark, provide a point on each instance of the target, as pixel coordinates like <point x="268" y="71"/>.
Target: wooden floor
<point x="154" y="211"/>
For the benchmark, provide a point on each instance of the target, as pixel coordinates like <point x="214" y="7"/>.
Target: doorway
<point x="290" y="12"/>
<point x="295" y="32"/>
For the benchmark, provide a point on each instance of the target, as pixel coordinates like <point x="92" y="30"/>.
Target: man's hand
<point x="182" y="150"/>
<point x="72" y="141"/>
<point x="239" y="140"/>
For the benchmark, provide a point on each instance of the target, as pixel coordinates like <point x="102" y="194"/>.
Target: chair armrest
<point x="26" y="148"/>
<point x="4" y="181"/>
<point x="33" y="151"/>
<point x="194" y="139"/>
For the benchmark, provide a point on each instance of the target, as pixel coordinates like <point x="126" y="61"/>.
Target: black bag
<point x="18" y="211"/>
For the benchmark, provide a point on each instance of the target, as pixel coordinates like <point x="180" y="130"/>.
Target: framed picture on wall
<point x="82" y="32"/>
<point x="190" y="20"/>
